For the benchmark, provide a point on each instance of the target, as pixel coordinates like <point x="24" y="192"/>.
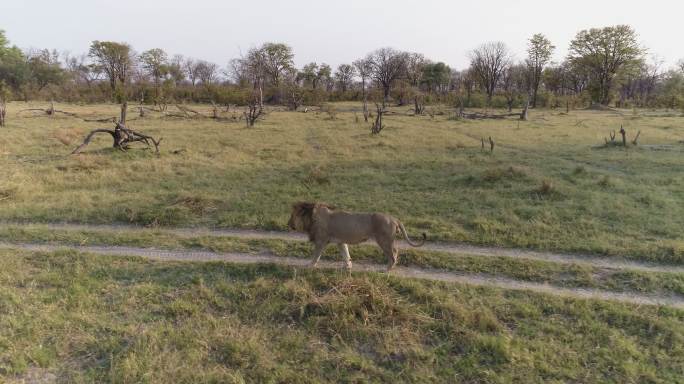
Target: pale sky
<point x="334" y="32"/>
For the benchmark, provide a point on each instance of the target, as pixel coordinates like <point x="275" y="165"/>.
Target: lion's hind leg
<point x="390" y="253"/>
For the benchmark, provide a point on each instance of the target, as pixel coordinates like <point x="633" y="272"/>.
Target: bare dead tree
<point x="141" y="108"/>
<point x="387" y="65"/>
<point x="253" y="112"/>
<point x="295" y="99"/>
<point x="613" y="143"/>
<point x="294" y="92"/>
<point x="487" y="63"/>
<point x="364" y="69"/>
<point x="419" y="107"/>
<point x="214" y="110"/>
<point x="377" y="125"/>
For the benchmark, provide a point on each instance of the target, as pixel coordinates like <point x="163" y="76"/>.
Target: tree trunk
<point x="523" y="115"/>
<point x="124" y="109"/>
<point x="365" y="100"/>
<point x="3" y="112"/>
<point x="377" y="126"/>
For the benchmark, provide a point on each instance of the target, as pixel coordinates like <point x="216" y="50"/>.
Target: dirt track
<point x="451" y="248"/>
<point x="405" y="272"/>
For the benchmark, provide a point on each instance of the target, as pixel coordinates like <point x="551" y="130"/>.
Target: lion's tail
<point x="406" y="236"/>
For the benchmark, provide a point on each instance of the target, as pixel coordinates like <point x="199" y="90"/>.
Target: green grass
<point x="99" y="319"/>
<point x="545" y="186"/>
<point x="563" y="275"/>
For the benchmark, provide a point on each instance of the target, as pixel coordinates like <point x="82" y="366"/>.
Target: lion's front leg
<point x="344" y="251"/>
<point x="317" y="252"/>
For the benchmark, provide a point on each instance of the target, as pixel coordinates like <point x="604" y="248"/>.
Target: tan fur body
<point x="324" y="224"/>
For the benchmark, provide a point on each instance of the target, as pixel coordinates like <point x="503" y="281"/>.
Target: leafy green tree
<point x="603" y="53"/>
<point x="324" y="76"/>
<point x="344" y="76"/>
<point x="514" y="83"/>
<point x="539" y="52"/>
<point x="415" y="62"/>
<point x="276" y="59"/>
<point x="309" y="75"/>
<point x="436" y="77"/>
<point x="175" y="69"/>
<point x="155" y="63"/>
<point x="115" y="60"/>
<point x="207" y="72"/>
<point x="45" y="68"/>
<point x="672" y="93"/>
<point x="14" y="71"/>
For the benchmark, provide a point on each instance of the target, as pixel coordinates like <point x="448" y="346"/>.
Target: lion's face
<point x="301" y="217"/>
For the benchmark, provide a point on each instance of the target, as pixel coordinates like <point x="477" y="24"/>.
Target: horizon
<point x="307" y="30"/>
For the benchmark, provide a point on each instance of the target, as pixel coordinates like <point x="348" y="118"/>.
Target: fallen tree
<point x="50" y="111"/>
<point x="478" y="115"/>
<point x="122" y="138"/>
<point x="121" y="135"/>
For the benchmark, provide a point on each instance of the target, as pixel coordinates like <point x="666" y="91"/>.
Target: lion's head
<point x="302" y="216"/>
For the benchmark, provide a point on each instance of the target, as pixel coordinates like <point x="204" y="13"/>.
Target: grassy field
<point x="84" y="318"/>
<point x="549" y="185"/>
<point x="545" y="186"/>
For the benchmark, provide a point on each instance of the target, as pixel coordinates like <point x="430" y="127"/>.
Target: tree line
<point x="605" y="66"/>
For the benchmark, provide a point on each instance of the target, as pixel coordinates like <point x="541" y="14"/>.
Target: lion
<point x="325" y="224"/>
